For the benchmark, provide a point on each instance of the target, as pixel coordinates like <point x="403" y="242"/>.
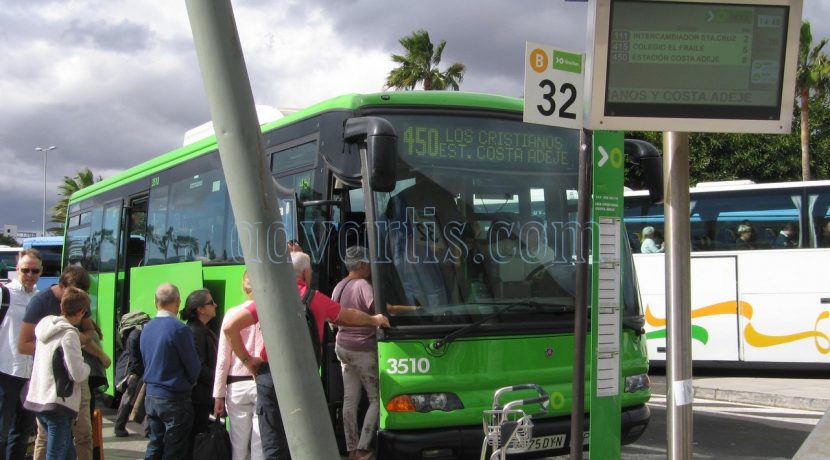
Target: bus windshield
<point x="483" y="216"/>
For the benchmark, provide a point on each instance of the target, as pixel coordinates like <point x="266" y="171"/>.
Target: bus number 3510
<point x="408" y="365"/>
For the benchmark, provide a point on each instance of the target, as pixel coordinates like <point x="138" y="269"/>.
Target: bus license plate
<point x="554" y="441"/>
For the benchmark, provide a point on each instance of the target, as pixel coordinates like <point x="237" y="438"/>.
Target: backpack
<point x="64" y="386"/>
<point x="130" y="321"/>
<point x="6" y="301"/>
<point x="312" y="324"/>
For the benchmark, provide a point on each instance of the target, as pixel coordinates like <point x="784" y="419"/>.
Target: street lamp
<point x="45" y="150"/>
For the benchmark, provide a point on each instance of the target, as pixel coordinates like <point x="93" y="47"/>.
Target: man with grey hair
<point x="271" y="429"/>
<point x="171" y="367"/>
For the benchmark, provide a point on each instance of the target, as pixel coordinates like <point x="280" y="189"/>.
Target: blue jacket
<point x="171" y="365"/>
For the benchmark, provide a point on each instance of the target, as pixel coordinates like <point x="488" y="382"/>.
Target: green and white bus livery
<point x="474" y="250"/>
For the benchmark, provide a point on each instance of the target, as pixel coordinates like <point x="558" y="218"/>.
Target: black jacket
<point x="206" y="345"/>
<point x="133" y="350"/>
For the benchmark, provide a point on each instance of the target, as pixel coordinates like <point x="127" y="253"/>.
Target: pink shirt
<point x="356" y="293"/>
<point x="226" y="361"/>
<point x="323" y="308"/>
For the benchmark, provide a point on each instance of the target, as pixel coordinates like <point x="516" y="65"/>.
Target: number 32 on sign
<point x="553" y="86"/>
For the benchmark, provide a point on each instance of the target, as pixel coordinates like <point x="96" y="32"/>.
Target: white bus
<point x="759" y="297"/>
<point x="8" y="261"/>
<point x="51" y="249"/>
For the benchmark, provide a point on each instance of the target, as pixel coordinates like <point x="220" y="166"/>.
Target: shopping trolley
<point x="508" y="429"/>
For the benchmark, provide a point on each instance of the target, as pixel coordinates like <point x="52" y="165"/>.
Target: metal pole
<point x="678" y="295"/>
<point x="45" y="151"/>
<point x="43" y="228"/>
<point x="581" y="299"/>
<point x="253" y="198"/>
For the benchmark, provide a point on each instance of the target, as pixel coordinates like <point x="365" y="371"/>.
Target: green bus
<point x="478" y="239"/>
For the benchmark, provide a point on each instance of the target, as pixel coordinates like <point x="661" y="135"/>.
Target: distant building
<point x="12" y="231"/>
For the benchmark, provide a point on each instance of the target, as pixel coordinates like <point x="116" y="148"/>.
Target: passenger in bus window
<point x="788" y="237"/>
<point x="746" y="237"/>
<point x="649" y="245"/>
<point x="824" y="239"/>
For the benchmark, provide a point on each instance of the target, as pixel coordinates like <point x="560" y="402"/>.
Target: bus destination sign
<point x="467" y="142"/>
<point x="687" y="60"/>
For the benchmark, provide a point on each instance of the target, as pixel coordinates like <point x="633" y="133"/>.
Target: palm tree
<point x="812" y="76"/>
<point x="420" y="65"/>
<point x="83" y="178"/>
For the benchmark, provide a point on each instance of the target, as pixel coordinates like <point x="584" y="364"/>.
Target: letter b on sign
<point x="538" y="60"/>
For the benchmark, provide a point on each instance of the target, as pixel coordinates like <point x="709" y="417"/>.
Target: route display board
<point x="689" y="65"/>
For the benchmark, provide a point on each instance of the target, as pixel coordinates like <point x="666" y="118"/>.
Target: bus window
<point x="819" y="218"/>
<point x="109" y="237"/>
<point x="718" y="217"/>
<point x="639" y="214"/>
<point x="187" y="217"/>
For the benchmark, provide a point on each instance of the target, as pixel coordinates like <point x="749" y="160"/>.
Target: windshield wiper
<point x="440" y="343"/>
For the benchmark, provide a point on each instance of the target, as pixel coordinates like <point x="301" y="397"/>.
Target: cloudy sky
<point x="113" y="83"/>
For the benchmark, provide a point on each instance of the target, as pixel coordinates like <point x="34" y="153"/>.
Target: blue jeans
<point x="271" y="429"/>
<point x="16" y="423"/>
<point x="170" y="421"/>
<point x="58" y="426"/>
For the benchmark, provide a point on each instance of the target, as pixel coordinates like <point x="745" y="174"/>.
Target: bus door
<point x="715" y="314"/>
<point x="108" y="279"/>
<point x="133" y="236"/>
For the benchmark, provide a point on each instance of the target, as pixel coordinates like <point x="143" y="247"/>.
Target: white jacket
<point x="53" y="332"/>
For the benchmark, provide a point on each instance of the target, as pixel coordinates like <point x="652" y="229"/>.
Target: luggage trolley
<point x="507" y="428"/>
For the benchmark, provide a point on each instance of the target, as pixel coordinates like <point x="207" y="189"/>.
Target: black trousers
<point x="271" y="428"/>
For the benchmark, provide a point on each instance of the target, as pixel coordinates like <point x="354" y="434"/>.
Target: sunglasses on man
<point x="26" y="271"/>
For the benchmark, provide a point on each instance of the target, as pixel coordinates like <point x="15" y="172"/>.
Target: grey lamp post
<point x="45" y="150"/>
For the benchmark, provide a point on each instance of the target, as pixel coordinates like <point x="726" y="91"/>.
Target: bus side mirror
<point x="646" y="155"/>
<point x="381" y="149"/>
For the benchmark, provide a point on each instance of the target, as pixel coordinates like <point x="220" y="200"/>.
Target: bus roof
<point x="42" y="241"/>
<point x="346" y="102"/>
<point x="732" y="186"/>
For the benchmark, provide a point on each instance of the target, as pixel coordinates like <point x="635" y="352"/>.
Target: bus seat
<point x="727" y="237"/>
<point x="770" y="235"/>
<point x="634" y="241"/>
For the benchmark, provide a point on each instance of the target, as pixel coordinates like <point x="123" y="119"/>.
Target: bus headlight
<point x="637" y="382"/>
<point x="424" y="402"/>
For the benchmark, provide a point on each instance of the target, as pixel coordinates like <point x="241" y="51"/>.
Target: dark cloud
<point x="123" y="37"/>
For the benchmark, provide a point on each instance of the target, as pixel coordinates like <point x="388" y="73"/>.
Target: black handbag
<point x="214" y="443"/>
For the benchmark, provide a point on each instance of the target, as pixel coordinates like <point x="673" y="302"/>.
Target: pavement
<point x="792" y="393"/>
